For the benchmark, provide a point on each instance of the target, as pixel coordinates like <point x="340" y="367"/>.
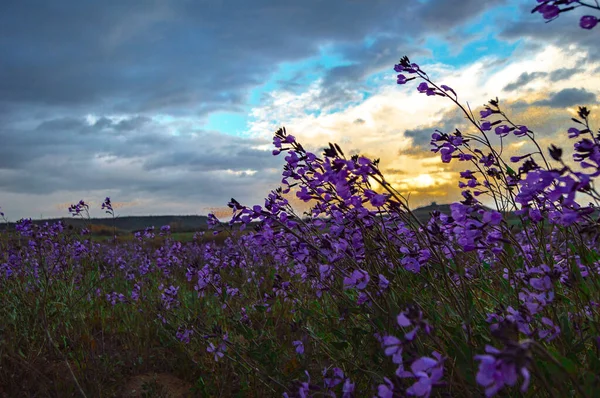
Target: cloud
<point x="565" y="73"/>
<point x="421" y="136"/>
<point x="442" y="15"/>
<point x="569" y="97"/>
<point x="181" y="57"/>
<point x="397" y="121"/>
<point x="133" y="156"/>
<point x="95" y="100"/>
<point x="523" y="79"/>
<point x="563" y="32"/>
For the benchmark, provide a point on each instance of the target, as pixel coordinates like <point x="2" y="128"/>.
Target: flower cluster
<point x="271" y="293"/>
<point x="551" y="9"/>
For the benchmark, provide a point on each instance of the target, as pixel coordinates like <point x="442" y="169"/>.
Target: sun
<point x="422" y="181"/>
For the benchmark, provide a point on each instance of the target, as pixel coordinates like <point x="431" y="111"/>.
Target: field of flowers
<point x="357" y="298"/>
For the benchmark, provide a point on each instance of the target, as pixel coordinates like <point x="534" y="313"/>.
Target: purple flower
<point x="549" y="11"/>
<point x="446" y="154"/>
<point x="218" y="351"/>
<point x="521" y="131"/>
<point x="443" y="86"/>
<point x="299" y="346"/>
<point x="383" y="282"/>
<point x="551" y="333"/>
<point x="573" y="132"/>
<point x="212" y="221"/>
<point x="428" y="371"/>
<point x="401" y="79"/>
<point x="485" y="113"/>
<point x="588" y="21"/>
<point x="502" y="130"/>
<point x="424" y="88"/>
<point x="218" y="354"/>
<point x="385" y="390"/>
<point x="498" y="369"/>
<point x="393" y="348"/>
<point x="107" y="205"/>
<point x="347" y="389"/>
<point x="492" y="217"/>
<point x="304" y="390"/>
<point x="378" y="200"/>
<point x="184" y="336"/>
<point x="338" y="377"/>
<point x="359" y="279"/>
<point x="412" y="316"/>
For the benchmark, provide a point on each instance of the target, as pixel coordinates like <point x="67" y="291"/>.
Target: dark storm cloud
<point x="564" y="73"/>
<point x="191" y="57"/>
<point x="569" y="97"/>
<point x="64" y="60"/>
<point x="420" y="19"/>
<point x="69" y="153"/>
<point x="421" y="136"/>
<point x="561" y="32"/>
<point x="442" y="15"/>
<point x="524" y="79"/>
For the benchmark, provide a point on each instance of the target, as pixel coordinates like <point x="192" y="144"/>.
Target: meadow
<point x="359" y="297"/>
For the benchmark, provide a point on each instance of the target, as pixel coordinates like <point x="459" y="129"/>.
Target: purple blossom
<point x="413" y="316"/>
<point x="385" y="390"/>
<point x="501" y="368"/>
<point x="299" y="346"/>
<point x="184" y="336"/>
<point x="485" y="113"/>
<point x="446" y="88"/>
<point x="217" y="351"/>
<point x="383" y="282"/>
<point x="348" y="389"/>
<point x="492" y="217"/>
<point x="378" y="200"/>
<point x="588" y="21"/>
<point x="358" y="279"/>
<point x="337" y="378"/>
<point x="107" y="205"/>
<point x="424" y="88"/>
<point x="549" y="11"/>
<point x="428" y="371"/>
<point x="573" y="132"/>
<point x="551" y="332"/>
<point x="502" y="130"/>
<point x="393" y="347"/>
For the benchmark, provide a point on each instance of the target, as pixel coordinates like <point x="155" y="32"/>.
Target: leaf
<point x="510" y="171"/>
<point x="379" y="323"/>
<point x="569" y="365"/>
<point x="576" y="121"/>
<point x="340" y="345"/>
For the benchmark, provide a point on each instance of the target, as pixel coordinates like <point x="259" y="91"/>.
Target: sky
<point x="169" y="107"/>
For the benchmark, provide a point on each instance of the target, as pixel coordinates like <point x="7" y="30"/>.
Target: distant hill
<point x="135" y="223"/>
<point x="423" y="213"/>
<point x="131" y="224"/>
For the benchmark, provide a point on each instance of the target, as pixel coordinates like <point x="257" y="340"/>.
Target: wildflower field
<point x="356" y="298"/>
